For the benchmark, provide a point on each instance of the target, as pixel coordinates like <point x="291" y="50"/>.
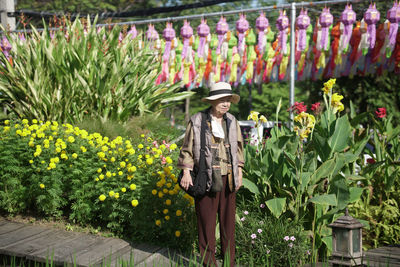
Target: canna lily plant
<point x="308" y="172"/>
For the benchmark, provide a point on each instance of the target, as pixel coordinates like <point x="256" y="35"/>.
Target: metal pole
<point x="292" y="59"/>
<point x="7" y="6"/>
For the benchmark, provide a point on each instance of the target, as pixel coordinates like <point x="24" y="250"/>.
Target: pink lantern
<point x="325" y="20"/>
<point x="203" y="31"/>
<point x="242" y="25"/>
<point x="169" y="35"/>
<point x="132" y="32"/>
<point x="261" y="24"/>
<point x="302" y="22"/>
<point x="222" y="28"/>
<point x="152" y="34"/>
<point x="186" y="33"/>
<point x="348" y="18"/>
<point x="371" y="17"/>
<point x="282" y="23"/>
<point x="393" y="15"/>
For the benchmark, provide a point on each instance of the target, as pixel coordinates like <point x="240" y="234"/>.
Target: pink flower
<point x="262" y="206"/>
<point x="246" y="212"/>
<point x="259" y="231"/>
<point x="155" y="144"/>
<point x="253" y="236"/>
<point x="308" y="252"/>
<point x="163" y="160"/>
<point x="381" y="113"/>
<point x="268" y="251"/>
<point x="242" y="219"/>
<point x="290" y="245"/>
<point x="292" y="238"/>
<point x="252" y="241"/>
<point x="286" y="238"/>
<point x="315" y="106"/>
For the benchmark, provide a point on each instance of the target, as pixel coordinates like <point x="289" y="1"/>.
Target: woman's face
<point x="221" y="105"/>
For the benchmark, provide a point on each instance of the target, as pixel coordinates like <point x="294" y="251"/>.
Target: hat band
<point x="220" y="92"/>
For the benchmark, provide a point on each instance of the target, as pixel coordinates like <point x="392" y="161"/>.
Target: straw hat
<point x="219" y="90"/>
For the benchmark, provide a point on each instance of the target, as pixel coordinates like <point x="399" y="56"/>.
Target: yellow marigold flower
<point x="83" y="149"/>
<point x="158" y="222"/>
<point x="116" y="195"/>
<point x="154" y="192"/>
<point x="122" y="164"/>
<point x="64" y="156"/>
<point x="160" y="194"/>
<point x="149" y="161"/>
<point x="34" y="121"/>
<point x="112" y="159"/>
<point x="99" y="170"/>
<point x="97" y="179"/>
<point x="165" y="191"/>
<point x="108" y="174"/>
<point x="120" y="173"/>
<point x="168" y="160"/>
<point x="146" y="156"/>
<point x="165" y="211"/>
<point x="71" y="139"/>
<point x="132" y="187"/>
<point x="30" y="161"/>
<point x="167" y="218"/>
<point x="171" y="192"/>
<point x="52" y="165"/>
<point x="168" y="202"/>
<point x="114" y="174"/>
<point x="111" y="193"/>
<point x="123" y="189"/>
<point x="132" y="169"/>
<point x="102" y="197"/>
<point x="42" y="186"/>
<point x="104" y="148"/>
<point x="101" y="176"/>
<point x="178" y="213"/>
<point x="173" y="147"/>
<point x="140" y="146"/>
<point x="56" y="160"/>
<point x="168" y="185"/>
<point x="134" y="203"/>
<point x="25" y="121"/>
<point x="177" y="233"/>
<point x="74" y="155"/>
<point x="6" y="122"/>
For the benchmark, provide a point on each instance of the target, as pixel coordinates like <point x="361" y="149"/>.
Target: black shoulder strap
<point x="202" y="163"/>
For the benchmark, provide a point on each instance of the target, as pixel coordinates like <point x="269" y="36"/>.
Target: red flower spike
<point x="381" y="113"/>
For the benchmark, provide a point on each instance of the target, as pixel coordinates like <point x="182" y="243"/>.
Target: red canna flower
<point x="370" y="161"/>
<point x="298" y="107"/>
<point x="315" y="106"/>
<point x="381" y="113"/>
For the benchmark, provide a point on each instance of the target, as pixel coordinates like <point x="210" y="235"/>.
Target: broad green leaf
<point x="276" y="206"/>
<point x="328" y="200"/>
<point x="252" y="187"/>
<point x="324" y="170"/>
<point x="355" y="193"/>
<point x="339" y="140"/>
<point x="327" y="240"/>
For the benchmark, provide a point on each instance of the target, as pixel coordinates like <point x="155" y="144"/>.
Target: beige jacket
<point x="190" y="151"/>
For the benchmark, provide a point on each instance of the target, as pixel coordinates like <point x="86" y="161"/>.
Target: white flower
<point x="286" y="238"/>
<point x="292" y="238"/>
<point x="259" y="231"/>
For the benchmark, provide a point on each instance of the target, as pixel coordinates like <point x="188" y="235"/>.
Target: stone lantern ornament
<point x="346" y="241"/>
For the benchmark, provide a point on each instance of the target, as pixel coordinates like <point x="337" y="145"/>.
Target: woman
<point x="224" y="163"/>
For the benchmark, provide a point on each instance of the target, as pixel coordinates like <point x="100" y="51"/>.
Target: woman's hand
<point x="240" y="179"/>
<point x="186" y="179"/>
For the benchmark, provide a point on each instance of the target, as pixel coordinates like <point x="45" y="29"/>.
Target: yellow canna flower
<point x="263" y="119"/>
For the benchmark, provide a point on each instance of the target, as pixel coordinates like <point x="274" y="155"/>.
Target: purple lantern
<point x="222" y="28"/>
<point x="393" y="15"/>
<point x="169" y="35"/>
<point x="186" y="33"/>
<point x="325" y="20"/>
<point x="371" y="17"/>
<point x="348" y="18"/>
<point x="242" y="25"/>
<point x="282" y="23"/>
<point x="152" y="34"/>
<point x="132" y="32"/>
<point x="203" y="31"/>
<point x="302" y="22"/>
<point x="261" y="24"/>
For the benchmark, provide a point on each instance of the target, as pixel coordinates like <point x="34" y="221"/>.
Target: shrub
<point x="62" y="170"/>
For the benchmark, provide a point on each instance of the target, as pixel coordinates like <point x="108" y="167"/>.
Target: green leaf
<point x="252" y="187"/>
<point x="339" y="140"/>
<point x="276" y="206"/>
<point x="324" y="170"/>
<point x="328" y="200"/>
<point x="355" y="193"/>
<point x="327" y="240"/>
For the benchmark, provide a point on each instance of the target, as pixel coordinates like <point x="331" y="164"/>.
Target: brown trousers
<point x="223" y="203"/>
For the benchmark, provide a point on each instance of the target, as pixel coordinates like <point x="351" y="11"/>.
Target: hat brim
<point x="235" y="98"/>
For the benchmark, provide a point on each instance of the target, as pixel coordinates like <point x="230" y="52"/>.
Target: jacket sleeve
<point x="240" y="151"/>
<point x="185" y="160"/>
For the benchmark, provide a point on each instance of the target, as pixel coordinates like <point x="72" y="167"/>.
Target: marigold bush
<point x="61" y="170"/>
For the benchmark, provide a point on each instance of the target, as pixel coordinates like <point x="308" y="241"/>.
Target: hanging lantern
<point x="242" y="25"/>
<point x="132" y="32"/>
<point x="222" y="28"/>
<point x="282" y="23"/>
<point x="151" y="33"/>
<point x="302" y="22"/>
<point x="393" y="15"/>
<point x="348" y="18"/>
<point x="325" y="20"/>
<point x="186" y="33"/>
<point x="169" y="35"/>
<point x="203" y="31"/>
<point x="371" y="17"/>
<point x="261" y="24"/>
